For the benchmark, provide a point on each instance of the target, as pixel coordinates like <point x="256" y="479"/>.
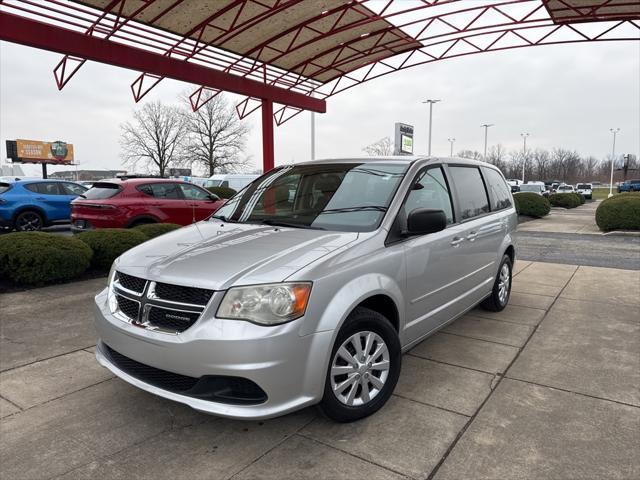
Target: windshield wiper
<point x="363" y="208"/>
<point x="222" y="217"/>
<point x="279" y="223"/>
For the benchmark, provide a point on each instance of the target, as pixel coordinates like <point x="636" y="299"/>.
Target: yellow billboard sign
<point x="44" y="152"/>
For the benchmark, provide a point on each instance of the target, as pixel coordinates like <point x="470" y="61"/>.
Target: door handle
<point x="472" y="236"/>
<point x="456" y="241"/>
<point x="42" y="199"/>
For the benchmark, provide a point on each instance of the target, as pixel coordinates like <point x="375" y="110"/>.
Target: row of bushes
<point x="38" y="258"/>
<point x="566" y="200"/>
<point x="531" y="204"/>
<point x="620" y="212"/>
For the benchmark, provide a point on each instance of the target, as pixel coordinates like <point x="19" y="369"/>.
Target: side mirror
<point x="425" y="220"/>
<point x="214" y="197"/>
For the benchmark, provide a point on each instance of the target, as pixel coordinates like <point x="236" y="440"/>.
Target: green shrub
<point x="152" y="230"/>
<point x="580" y="197"/>
<point x="564" y="200"/>
<point x="222" y="192"/>
<point x="531" y="204"/>
<point x="109" y="243"/>
<point x="620" y="212"/>
<point x="36" y="258"/>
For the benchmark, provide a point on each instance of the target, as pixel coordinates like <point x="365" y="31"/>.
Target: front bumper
<point x="289" y="368"/>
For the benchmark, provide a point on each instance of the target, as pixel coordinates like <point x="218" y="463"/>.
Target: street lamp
<point x="451" y="141"/>
<point x="613" y="157"/>
<point x="486" y="128"/>
<point x="524" y="152"/>
<point x="430" y="102"/>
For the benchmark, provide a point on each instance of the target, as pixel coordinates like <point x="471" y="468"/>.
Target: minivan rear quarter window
<point x="472" y="195"/>
<point x="4" y="187"/>
<point x="498" y="189"/>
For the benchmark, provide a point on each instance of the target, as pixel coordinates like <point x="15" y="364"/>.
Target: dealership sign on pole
<point x="36" y="151"/>
<point x="403" y="139"/>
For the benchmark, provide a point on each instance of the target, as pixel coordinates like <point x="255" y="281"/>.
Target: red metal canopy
<point x="296" y="53"/>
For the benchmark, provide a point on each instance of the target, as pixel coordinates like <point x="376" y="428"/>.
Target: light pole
<point x="486" y="128"/>
<point x="524" y="152"/>
<point x="451" y="141"/>
<point x="613" y="157"/>
<point x="430" y="102"/>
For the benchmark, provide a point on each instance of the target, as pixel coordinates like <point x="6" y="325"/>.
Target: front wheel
<point x="501" y="291"/>
<point x="364" y="367"/>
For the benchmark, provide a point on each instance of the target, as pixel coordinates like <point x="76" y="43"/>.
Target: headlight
<point x="266" y="304"/>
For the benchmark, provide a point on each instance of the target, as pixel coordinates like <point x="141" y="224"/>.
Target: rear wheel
<point x="141" y="221"/>
<point x="499" y="297"/>
<point x="364" y="367"/>
<point x="28" y="221"/>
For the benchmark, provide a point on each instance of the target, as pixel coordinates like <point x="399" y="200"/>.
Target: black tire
<point x="497" y="302"/>
<point x="28" y="221"/>
<point x="364" y="320"/>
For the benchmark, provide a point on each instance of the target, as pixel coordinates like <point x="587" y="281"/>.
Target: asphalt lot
<point x="547" y="389"/>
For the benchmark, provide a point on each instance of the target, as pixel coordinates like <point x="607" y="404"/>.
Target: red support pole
<point x="267" y="136"/>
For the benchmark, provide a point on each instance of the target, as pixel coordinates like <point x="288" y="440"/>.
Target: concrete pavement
<point x="547" y="389"/>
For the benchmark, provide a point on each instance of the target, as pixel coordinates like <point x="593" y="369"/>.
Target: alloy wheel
<point x="360" y="368"/>
<point x="503" y="284"/>
<point x="28" y="222"/>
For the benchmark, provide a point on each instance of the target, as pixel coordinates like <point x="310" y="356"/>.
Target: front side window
<point x="499" y="191"/>
<point x="430" y="191"/>
<point x="191" y="192"/>
<point x="351" y="197"/>
<point x="471" y="192"/>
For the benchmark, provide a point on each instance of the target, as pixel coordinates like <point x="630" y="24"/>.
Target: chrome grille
<point x="180" y="294"/>
<point x="135" y="284"/>
<point x="158" y="306"/>
<point x="130" y="308"/>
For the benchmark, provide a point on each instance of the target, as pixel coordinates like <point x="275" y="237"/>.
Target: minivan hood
<point x="217" y="255"/>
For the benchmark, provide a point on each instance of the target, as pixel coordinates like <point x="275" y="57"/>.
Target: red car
<point x="127" y="203"/>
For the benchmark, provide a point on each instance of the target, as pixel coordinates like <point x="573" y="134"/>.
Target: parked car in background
<point x="28" y="205"/>
<point x="538" y="188"/>
<point x="127" y="203"/>
<point x="235" y="181"/>
<point x="564" y="188"/>
<point x="629" y="186"/>
<point x="585" y="189"/>
<point x="309" y="285"/>
<point x="514" y="184"/>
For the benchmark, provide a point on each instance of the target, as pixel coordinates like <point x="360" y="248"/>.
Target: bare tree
<point x="154" y="138"/>
<point x="381" y="148"/>
<point x="472" y="154"/>
<point x="216" y="137"/>
<point x="498" y="156"/>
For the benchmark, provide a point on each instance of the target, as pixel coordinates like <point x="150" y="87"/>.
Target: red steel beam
<point x="17" y="29"/>
<point x="268" y="156"/>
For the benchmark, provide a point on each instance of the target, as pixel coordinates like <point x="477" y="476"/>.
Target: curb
<point x="623" y="233"/>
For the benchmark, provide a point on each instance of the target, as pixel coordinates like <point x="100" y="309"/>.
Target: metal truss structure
<point x="296" y="53"/>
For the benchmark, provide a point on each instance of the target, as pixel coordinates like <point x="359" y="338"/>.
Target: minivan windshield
<point x="349" y="197"/>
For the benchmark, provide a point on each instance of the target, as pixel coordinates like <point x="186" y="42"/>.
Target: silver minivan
<point x="306" y="286"/>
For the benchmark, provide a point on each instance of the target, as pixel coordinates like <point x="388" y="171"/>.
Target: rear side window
<point x="498" y="190"/>
<point x="471" y="192"/>
<point x="162" y="190"/>
<point x="4" y="187"/>
<point x="44" y="188"/>
<point x="100" y="191"/>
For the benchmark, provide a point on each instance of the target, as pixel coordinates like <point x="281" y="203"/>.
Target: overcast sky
<point x="564" y="96"/>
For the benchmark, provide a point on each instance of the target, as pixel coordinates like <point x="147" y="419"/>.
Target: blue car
<point x="29" y="205"/>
